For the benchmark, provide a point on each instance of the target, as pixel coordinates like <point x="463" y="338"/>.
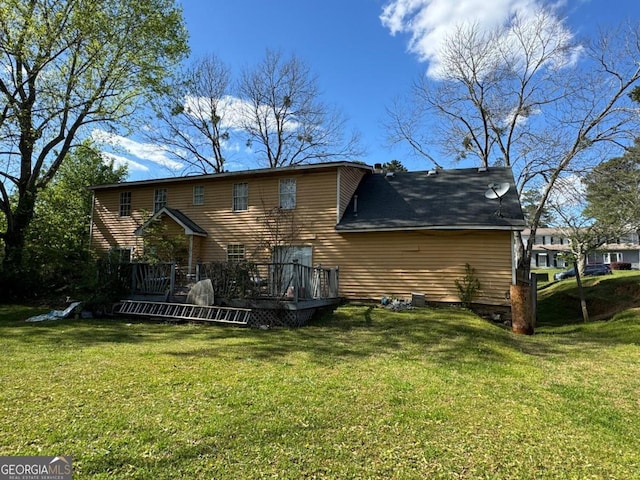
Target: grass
<point x="559" y="302"/>
<point x="365" y="393"/>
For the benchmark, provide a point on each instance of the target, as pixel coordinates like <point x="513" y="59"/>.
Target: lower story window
<point x="541" y="260"/>
<point x="235" y="252"/>
<point x="611" y="257"/>
<point x="121" y="254"/>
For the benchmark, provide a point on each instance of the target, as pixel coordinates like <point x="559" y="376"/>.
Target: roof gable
<point x="431" y="200"/>
<point x="190" y="227"/>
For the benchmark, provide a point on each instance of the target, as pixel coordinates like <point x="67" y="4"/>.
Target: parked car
<point x="592" y="269"/>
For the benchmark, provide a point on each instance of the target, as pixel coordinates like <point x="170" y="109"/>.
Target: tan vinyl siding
<point x="109" y="228"/>
<point x="372" y="264"/>
<point x="314" y="212"/>
<point x="349" y="180"/>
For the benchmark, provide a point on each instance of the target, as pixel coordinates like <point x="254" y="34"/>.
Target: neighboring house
<point x="551" y="243"/>
<point x="389" y="234"/>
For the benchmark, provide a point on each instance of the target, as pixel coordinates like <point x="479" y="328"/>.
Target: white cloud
<point x="568" y="192"/>
<point x="118" y="161"/>
<point x="233" y="112"/>
<point x="143" y="151"/>
<point x="430" y="23"/>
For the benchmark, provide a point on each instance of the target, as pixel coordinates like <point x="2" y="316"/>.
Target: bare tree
<point x="193" y="117"/>
<point x="284" y="118"/>
<point x="487" y="87"/>
<point x="527" y="97"/>
<point x="585" y="234"/>
<point x="279" y="235"/>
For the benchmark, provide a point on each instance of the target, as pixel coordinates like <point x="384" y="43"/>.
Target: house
<point x="390" y="234"/>
<point x="550" y="245"/>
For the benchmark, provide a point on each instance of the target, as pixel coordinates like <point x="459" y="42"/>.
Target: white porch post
<point x="190" y="270"/>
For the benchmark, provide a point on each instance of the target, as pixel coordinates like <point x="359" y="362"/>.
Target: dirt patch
<point x="627" y="297"/>
<point x="628" y="291"/>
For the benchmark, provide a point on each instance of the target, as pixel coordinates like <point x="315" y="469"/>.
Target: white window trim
<point x="160" y="196"/>
<point x="236" y="252"/>
<point x="122" y="204"/>
<point x="606" y="257"/>
<point x="235" y="200"/>
<point x="287" y="191"/>
<point x="198" y="194"/>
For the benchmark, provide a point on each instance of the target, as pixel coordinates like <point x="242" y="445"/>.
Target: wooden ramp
<point x="182" y="311"/>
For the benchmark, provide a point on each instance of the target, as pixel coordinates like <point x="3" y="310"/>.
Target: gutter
<point x="507" y="228"/>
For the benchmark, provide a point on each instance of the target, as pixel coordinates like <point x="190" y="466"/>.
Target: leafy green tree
<point x="530" y="199"/>
<point x="613" y="192"/>
<point x="67" y="66"/>
<point x="394" y="166"/>
<point x="57" y="241"/>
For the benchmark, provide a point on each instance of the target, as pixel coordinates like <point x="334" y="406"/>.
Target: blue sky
<point x="362" y="56"/>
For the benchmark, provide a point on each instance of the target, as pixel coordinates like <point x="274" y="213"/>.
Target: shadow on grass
<point x="439" y="336"/>
<point x="559" y="304"/>
<point x="434" y="335"/>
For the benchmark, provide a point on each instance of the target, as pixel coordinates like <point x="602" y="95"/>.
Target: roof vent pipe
<point x="355" y="205"/>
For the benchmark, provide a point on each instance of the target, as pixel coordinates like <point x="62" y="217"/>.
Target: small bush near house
<point x="469" y="286"/>
<point x="620" y="266"/>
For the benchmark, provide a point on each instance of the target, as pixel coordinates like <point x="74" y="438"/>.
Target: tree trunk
<point x="14" y="272"/>
<point x="583" y="300"/>
<point x="521" y="318"/>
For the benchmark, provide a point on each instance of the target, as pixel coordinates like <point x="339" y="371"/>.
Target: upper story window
<point x="198" y="195"/>
<point x="125" y="204"/>
<point x="159" y="199"/>
<point x="240" y="196"/>
<point x="287" y="193"/>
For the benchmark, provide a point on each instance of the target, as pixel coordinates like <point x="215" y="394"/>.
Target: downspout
<point x="514" y="260"/>
<point x="338" y="196"/>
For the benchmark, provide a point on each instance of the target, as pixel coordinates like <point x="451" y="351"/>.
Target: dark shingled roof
<point x="446" y="199"/>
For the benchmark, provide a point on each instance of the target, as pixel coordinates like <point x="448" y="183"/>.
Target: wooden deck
<point x="270" y="295"/>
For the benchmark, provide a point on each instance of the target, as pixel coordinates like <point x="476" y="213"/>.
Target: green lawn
<point x="606" y="295"/>
<point x="364" y="394"/>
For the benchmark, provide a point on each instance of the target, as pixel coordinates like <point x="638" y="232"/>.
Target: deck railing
<point x="285" y="281"/>
<point x="288" y="281"/>
<point x="153" y="278"/>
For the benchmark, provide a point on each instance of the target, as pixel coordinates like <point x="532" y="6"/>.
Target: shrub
<point x="620" y="266"/>
<point x="469" y="286"/>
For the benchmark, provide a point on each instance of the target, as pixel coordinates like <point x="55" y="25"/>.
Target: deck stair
<point x="182" y="311"/>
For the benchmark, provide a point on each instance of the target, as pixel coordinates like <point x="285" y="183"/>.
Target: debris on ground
<point x="55" y="314"/>
<point x="396" y="304"/>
